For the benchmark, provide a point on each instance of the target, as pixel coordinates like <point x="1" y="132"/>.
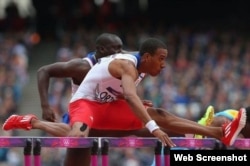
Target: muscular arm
<point x="128" y="74"/>
<point x="132" y="98"/>
<point x="75" y="69"/>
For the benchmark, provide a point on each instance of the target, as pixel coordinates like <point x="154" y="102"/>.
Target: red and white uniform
<point x="96" y="102"/>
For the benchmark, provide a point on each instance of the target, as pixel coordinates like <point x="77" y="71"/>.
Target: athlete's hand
<point x="48" y="114"/>
<point x="163" y="137"/>
<point x="78" y="131"/>
<point x="147" y="103"/>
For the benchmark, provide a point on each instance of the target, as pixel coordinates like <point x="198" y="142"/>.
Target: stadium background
<point x="208" y="63"/>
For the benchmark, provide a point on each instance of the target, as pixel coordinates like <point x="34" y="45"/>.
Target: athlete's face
<point x="113" y="47"/>
<point x="156" y="62"/>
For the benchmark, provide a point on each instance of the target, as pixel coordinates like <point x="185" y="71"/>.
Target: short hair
<point x="150" y="45"/>
<point x="106" y="38"/>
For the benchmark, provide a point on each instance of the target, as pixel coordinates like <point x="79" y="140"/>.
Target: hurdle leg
<point x="219" y="146"/>
<point x="158" y="149"/>
<point x="167" y="155"/>
<point x="27" y="152"/>
<point x="37" y="152"/>
<point x="94" y="153"/>
<point x="104" y="153"/>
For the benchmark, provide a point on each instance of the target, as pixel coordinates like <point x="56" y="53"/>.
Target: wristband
<point x="151" y="125"/>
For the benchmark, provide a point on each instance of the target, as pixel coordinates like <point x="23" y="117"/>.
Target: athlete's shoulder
<point x="91" y="59"/>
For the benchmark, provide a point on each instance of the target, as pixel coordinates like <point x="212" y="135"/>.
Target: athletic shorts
<point x="116" y="115"/>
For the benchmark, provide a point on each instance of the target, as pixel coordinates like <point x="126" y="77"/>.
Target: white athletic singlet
<point x="99" y="85"/>
<point x="90" y="58"/>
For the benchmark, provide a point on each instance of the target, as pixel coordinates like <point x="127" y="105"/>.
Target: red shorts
<point x="110" y="116"/>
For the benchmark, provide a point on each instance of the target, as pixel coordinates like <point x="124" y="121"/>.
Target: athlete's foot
<point x="206" y="120"/>
<point x="231" y="130"/>
<point x="19" y="122"/>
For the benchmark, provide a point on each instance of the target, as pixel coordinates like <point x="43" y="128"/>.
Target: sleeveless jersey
<point x="99" y="85"/>
<point x="90" y="58"/>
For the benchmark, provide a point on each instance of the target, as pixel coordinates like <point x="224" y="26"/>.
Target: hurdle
<point x="37" y="152"/>
<point x="95" y="152"/>
<point x="125" y="142"/>
<point x="136" y="142"/>
<point x="241" y="143"/>
<point x="27" y="152"/>
<point x="102" y="144"/>
<point x="194" y="142"/>
<point x="25" y="142"/>
<point x="65" y="142"/>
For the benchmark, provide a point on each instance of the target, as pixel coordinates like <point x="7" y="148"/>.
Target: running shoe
<point x="19" y="122"/>
<point x="207" y="119"/>
<point x="231" y="130"/>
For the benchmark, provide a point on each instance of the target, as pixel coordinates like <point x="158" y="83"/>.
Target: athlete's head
<point x="153" y="54"/>
<point x="108" y="44"/>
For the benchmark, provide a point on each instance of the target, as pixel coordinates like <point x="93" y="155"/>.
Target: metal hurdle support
<point x="104" y="152"/>
<point x="25" y="142"/>
<point x="158" y="149"/>
<point x="167" y="155"/>
<point x="27" y="152"/>
<point x="37" y="152"/>
<point x="64" y="142"/>
<point x="94" y="153"/>
<point x="125" y="142"/>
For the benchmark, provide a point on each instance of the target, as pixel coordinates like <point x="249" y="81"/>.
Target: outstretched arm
<point x="75" y="69"/>
<point x="128" y="74"/>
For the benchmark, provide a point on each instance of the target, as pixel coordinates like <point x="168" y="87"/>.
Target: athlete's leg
<point x="77" y="157"/>
<point x="184" y="126"/>
<point x="62" y="129"/>
<point x="52" y="128"/>
<point x="246" y="130"/>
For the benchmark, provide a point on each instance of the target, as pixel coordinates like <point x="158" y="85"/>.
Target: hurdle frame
<point x="24" y="142"/>
<point x="129" y="142"/>
<point x="65" y="142"/>
<point x="102" y="144"/>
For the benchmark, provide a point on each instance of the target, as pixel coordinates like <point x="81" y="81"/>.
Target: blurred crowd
<point x="13" y="77"/>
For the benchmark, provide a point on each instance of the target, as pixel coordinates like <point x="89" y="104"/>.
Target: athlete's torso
<point x="100" y="85"/>
<point x="90" y="58"/>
